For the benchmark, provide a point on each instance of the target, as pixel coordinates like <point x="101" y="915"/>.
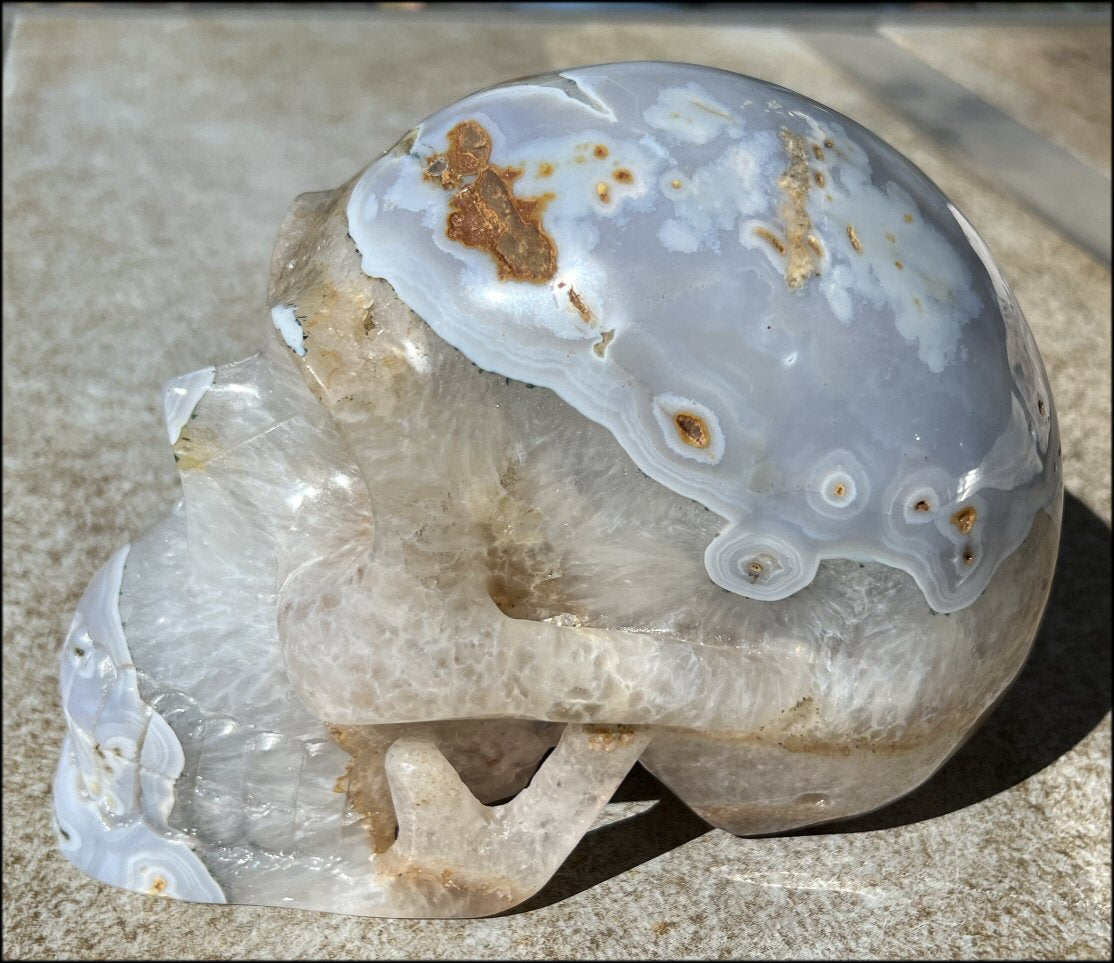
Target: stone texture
<point x="144" y="174"/>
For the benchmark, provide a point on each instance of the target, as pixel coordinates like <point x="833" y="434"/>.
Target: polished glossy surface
<point x="401" y="573"/>
<point x="718" y="252"/>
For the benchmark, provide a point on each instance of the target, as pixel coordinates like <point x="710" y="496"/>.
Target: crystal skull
<point x="637" y="413"/>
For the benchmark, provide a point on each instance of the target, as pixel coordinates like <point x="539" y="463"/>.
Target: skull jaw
<point x="453" y="857"/>
<point x="456" y="857"/>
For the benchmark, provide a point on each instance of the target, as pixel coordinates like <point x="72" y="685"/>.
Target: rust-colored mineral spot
<point x="908" y="218"/>
<point x="675" y="184"/>
<point x="607" y="738"/>
<point x="581" y="308"/>
<point x="772" y="239"/>
<point x="899" y="265"/>
<point x="839" y="490"/>
<point x="818" y="176"/>
<point x="968" y="557"/>
<point x="600" y="347"/>
<point x="818" y="152"/>
<point x="468" y="154"/>
<point x="853" y="237"/>
<point x="692" y="429"/>
<point x="603" y="192"/>
<point x="485" y="214"/>
<point x="814" y="243"/>
<point x="545" y="169"/>
<point x="795" y="183"/>
<point x="965" y="519"/>
<point x="623" y="176"/>
<point x="829" y="143"/>
<point x="922" y="506"/>
<point x="600" y="151"/>
<point x="158" y="886"/>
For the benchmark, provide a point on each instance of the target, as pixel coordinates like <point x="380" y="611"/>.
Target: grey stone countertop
<point x="148" y="160"/>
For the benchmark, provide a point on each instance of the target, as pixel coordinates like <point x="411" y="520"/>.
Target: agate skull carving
<point x="638" y="413"/>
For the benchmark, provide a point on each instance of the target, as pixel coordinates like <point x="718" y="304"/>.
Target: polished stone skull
<point x="641" y="413"/>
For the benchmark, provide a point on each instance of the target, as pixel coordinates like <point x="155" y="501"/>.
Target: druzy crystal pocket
<point x="641" y="413"/>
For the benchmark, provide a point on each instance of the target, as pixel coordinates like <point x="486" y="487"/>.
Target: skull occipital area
<point x="638" y="413"/>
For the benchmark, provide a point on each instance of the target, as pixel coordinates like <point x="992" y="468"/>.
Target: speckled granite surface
<point x="147" y="163"/>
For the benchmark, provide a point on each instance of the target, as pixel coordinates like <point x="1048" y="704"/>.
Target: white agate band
<point x="114" y="787"/>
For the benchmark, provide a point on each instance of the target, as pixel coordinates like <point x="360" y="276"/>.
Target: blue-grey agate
<point x="774" y="313"/>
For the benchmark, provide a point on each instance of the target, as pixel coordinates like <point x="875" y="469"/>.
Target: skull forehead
<point x="773" y="312"/>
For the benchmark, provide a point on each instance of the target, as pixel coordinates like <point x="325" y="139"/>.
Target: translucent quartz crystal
<point x="640" y="413"/>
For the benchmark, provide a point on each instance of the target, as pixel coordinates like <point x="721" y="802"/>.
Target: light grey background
<point x="148" y="160"/>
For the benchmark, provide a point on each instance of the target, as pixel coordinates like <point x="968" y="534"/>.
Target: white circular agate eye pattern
<point x="655" y="241"/>
<point x="839" y="486"/>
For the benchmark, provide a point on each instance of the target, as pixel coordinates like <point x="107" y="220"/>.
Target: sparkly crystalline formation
<point x="635" y="413"/>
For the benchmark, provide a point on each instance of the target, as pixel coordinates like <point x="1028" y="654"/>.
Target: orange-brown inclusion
<point x="964" y="519"/>
<point x="773" y="240"/>
<point x="485" y="214"/>
<point x="796" y="182"/>
<point x="692" y="429"/>
<point x="623" y="176"/>
<point x="600" y="151"/>
<point x="581" y="308"/>
<point x="600" y="347"/>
